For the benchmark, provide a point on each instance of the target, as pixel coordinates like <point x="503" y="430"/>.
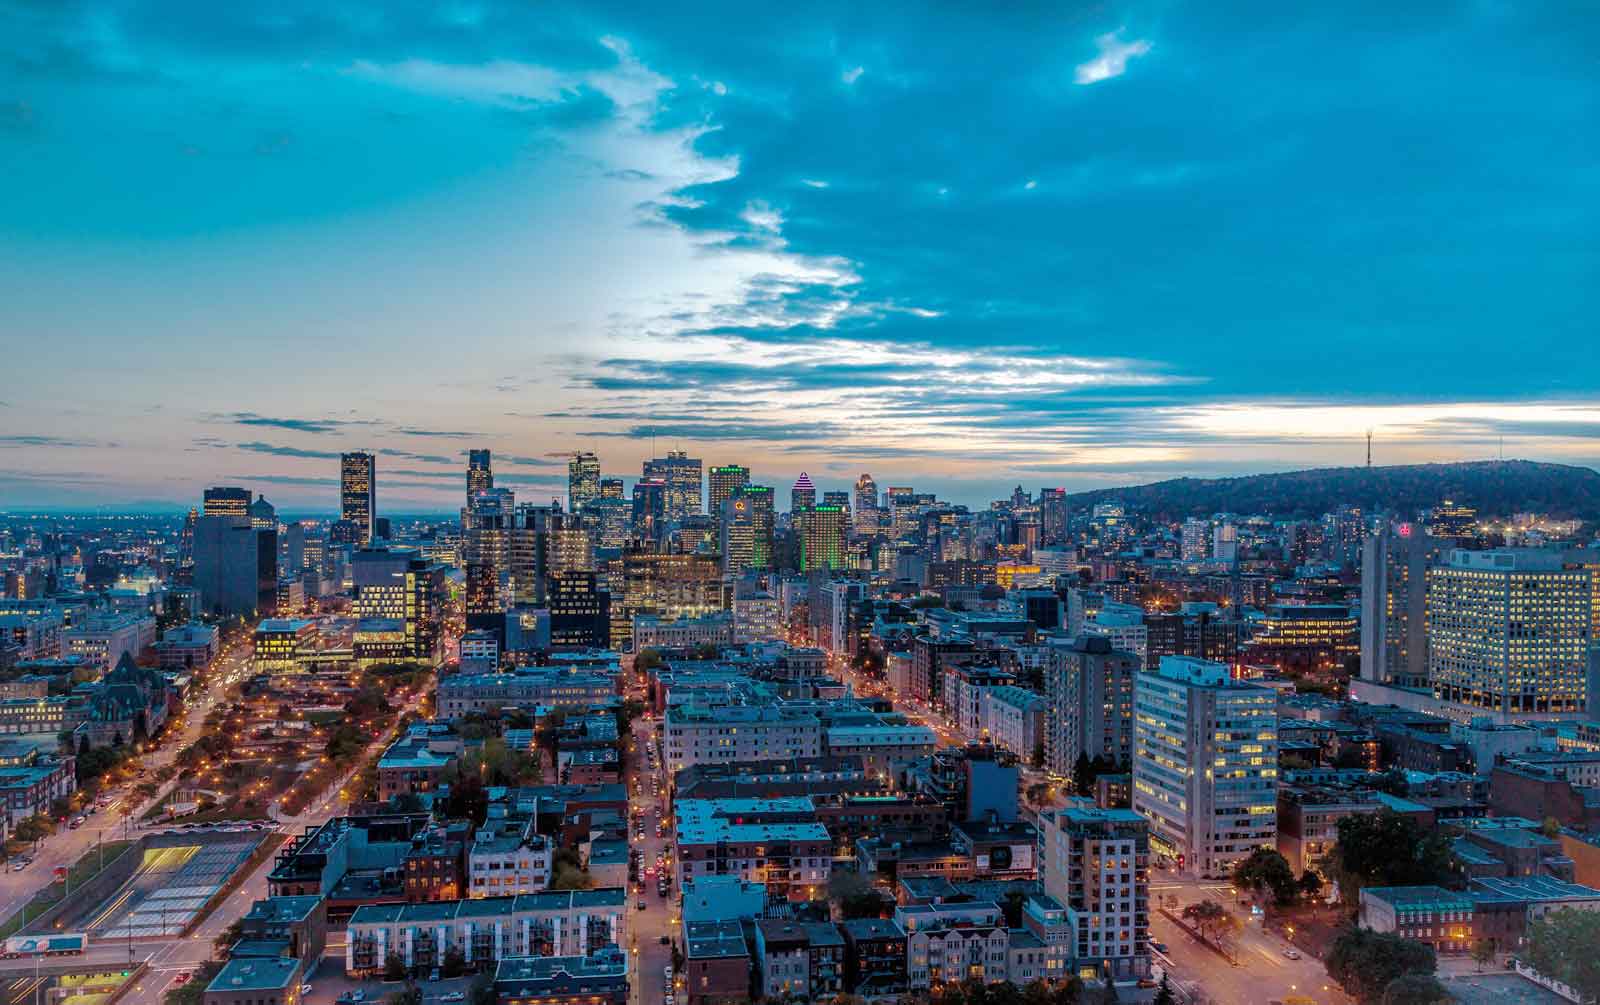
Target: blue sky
<point x="1051" y="244"/>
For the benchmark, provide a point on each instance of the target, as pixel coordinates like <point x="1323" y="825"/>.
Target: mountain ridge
<point x="1493" y="488"/>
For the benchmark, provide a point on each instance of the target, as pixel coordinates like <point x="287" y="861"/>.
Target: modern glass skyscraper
<point x="680" y="473"/>
<point x="480" y="473"/>
<point x="358" y="491"/>
<point x="803" y="495"/>
<point x="722" y="482"/>
<point x="583" y="480"/>
<point x="649" y="509"/>
<point x="746" y="529"/>
<point x="866" y="512"/>
<point x="821" y="533"/>
<point x="225" y="500"/>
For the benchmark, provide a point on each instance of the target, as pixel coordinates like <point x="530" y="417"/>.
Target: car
<point x="1292" y="954"/>
<point x="358" y="995"/>
<point x="665" y="940"/>
<point x="667" y="971"/>
<point x="453" y="996"/>
<point x="1159" y="947"/>
<point x="19" y="867"/>
<point x="305" y="989"/>
<point x="641" y="905"/>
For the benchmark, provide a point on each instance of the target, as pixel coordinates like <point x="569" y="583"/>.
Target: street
<point x="648" y="794"/>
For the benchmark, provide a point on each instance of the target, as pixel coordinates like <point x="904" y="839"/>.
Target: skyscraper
<point x="1508" y="633"/>
<point x="1205" y="764"/>
<point x="866" y="512"/>
<point x="803" y="495"/>
<point x="611" y="488"/>
<point x="746" y="529"/>
<point x="649" y="509"/>
<point x="1394" y="605"/>
<point x="1089" y="685"/>
<point x="680" y="473"/>
<point x="186" y="538"/>
<point x="358" y="491"/>
<point x="486" y="555"/>
<point x="480" y="473"/>
<point x="821" y="533"/>
<point x="722" y="482"/>
<point x="235" y="567"/>
<point x="1052" y="516"/>
<point x="583" y="480"/>
<point x="225" y="500"/>
<point x="262" y="514"/>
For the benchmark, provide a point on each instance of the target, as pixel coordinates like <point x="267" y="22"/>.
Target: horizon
<point x="961" y="251"/>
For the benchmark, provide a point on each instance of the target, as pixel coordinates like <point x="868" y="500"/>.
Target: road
<point x="121" y="819"/>
<point x="1264" y="973"/>
<point x="649" y="791"/>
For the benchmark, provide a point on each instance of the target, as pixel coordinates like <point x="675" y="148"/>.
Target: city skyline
<point x="1091" y="248"/>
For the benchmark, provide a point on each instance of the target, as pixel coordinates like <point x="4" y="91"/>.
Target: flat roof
<point x="256" y="974"/>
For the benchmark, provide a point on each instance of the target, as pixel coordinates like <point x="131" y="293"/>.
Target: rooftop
<point x="256" y="974"/>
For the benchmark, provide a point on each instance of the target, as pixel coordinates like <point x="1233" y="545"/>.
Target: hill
<point x="1494" y="488"/>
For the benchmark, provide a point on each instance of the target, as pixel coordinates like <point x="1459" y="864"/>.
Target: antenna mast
<point x="1369" y="448"/>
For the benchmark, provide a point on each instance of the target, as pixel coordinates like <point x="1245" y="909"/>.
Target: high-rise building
<point x="1394" y="605"/>
<point x="838" y="498"/>
<point x="583" y="481"/>
<point x="666" y="585"/>
<point x="1097" y="865"/>
<point x="263" y="516"/>
<point x="480" y="473"/>
<point x="486" y="526"/>
<point x="1225" y="542"/>
<point x="680" y="473"/>
<point x="235" y="567"/>
<point x="1508" y="633"/>
<point x="580" y="612"/>
<point x="1196" y="540"/>
<point x="611" y="488"/>
<point x="398" y="585"/>
<point x="821" y="533"/>
<point x="186" y="539"/>
<point x="867" y="511"/>
<point x="1089" y="687"/>
<point x="746" y="529"/>
<point x="803" y="495"/>
<point x="1453" y="521"/>
<point x="1052" y="516"/>
<point x="225" y="500"/>
<point x="1205" y="764"/>
<point x="650" y="510"/>
<point x="722" y="482"/>
<point x="358" y="491"/>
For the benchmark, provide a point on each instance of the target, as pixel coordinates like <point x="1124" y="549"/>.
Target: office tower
<point x="480" y="472"/>
<point x="722" y="482"/>
<point x="1089" y="687"/>
<point x="866" y="512"/>
<point x="1097" y="865"/>
<point x="1453" y="521"/>
<point x="1394" y="604"/>
<point x="803" y="495"/>
<point x="611" y="488"/>
<point x="235" y="567"/>
<point x="608" y="521"/>
<point x="821" y="533"/>
<point x="1196" y="540"/>
<point x="1508" y="633"/>
<point x="666" y="585"/>
<point x="263" y="516"/>
<point x="649" y="510"/>
<point x="486" y="526"/>
<point x="292" y="550"/>
<point x="580" y="612"/>
<point x="680" y="473"/>
<point x="746" y="527"/>
<point x="529" y="541"/>
<point x="1198" y="630"/>
<point x="398" y="585"/>
<point x="1052" y="516"/>
<point x="1205" y="764"/>
<point x="186" y="539"/>
<point x="225" y="500"/>
<point x="358" y="492"/>
<point x="583" y="481"/>
<point x="839" y="499"/>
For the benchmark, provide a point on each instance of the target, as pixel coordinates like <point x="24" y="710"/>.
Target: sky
<point x="958" y="246"/>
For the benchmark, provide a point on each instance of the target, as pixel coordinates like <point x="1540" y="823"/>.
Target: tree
<point x="193" y="992"/>
<point x="854" y="895"/>
<point x="1083" y="775"/>
<point x="228" y="936"/>
<point x="1364" y="962"/>
<point x="1211" y="919"/>
<point x="1164" y="994"/>
<point x="482" y="990"/>
<point x="1387" y="849"/>
<point x="408" y="995"/>
<point x="394" y="968"/>
<point x="646" y="660"/>
<point x="1482" y="952"/>
<point x="1551" y="828"/>
<point x="1416" y="989"/>
<point x="1562" y="945"/>
<point x="1310" y="885"/>
<point x="1266" y="871"/>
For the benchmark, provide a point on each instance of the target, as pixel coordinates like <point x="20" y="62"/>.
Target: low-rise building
<point x="600" y="978"/>
<point x="776" y="842"/>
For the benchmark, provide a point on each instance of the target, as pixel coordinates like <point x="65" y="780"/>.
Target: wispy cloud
<point x="444" y="433"/>
<point x="408" y="455"/>
<point x="42" y="441"/>
<point x="1113" y="58"/>
<point x="294" y="425"/>
<point x="257" y="447"/>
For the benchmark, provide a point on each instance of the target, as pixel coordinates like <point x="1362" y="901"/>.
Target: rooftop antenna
<point x="1369" y="448"/>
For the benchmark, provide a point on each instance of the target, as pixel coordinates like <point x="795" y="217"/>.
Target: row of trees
<point x="1380" y="968"/>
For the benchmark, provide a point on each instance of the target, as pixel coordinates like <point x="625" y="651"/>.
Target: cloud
<point x="448" y="433"/>
<point x="499" y="459"/>
<point x="853" y="74"/>
<point x="1113" y="58"/>
<point x="25" y="440"/>
<point x="408" y="455"/>
<point x="258" y="447"/>
<point x="295" y="425"/>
